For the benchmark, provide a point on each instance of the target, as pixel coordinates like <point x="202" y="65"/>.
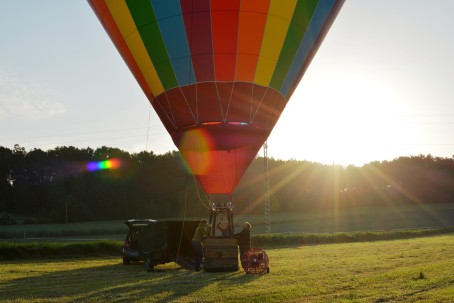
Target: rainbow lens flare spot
<point x="106" y="164"/>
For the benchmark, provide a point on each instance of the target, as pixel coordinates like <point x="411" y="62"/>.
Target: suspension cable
<point x="182" y="225"/>
<point x="198" y="194"/>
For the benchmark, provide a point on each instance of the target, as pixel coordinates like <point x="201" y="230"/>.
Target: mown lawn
<point x="366" y="218"/>
<point x="410" y="270"/>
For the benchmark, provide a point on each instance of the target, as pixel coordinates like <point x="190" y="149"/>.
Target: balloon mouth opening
<point x="204" y="144"/>
<point x="238" y="123"/>
<point x="216" y="135"/>
<point x="218" y="153"/>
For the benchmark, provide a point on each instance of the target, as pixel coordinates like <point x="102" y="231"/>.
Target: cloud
<point x="27" y="99"/>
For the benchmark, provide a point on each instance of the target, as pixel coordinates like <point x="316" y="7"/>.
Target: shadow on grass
<point x="113" y="283"/>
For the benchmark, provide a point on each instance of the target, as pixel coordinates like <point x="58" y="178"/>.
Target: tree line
<point x="56" y="186"/>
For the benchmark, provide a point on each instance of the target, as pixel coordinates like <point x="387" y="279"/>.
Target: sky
<point x="381" y="85"/>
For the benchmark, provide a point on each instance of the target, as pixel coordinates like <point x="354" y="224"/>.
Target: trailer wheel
<point x="149" y="263"/>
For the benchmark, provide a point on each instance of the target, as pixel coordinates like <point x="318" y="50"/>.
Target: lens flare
<point x="197" y="140"/>
<point x="101" y="165"/>
<point x="197" y="147"/>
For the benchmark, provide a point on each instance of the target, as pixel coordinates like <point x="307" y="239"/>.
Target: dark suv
<point x="158" y="242"/>
<point x="131" y="245"/>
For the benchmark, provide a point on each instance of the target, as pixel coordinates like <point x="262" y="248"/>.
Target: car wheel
<point x="126" y="261"/>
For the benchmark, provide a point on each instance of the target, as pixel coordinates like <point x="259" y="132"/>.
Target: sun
<point x="343" y="118"/>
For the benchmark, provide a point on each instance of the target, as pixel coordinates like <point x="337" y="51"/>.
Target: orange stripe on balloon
<point x="105" y="17"/>
<point x="253" y="14"/>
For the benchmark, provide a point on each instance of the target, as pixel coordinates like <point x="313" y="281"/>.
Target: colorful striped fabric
<point x="218" y="73"/>
<point x="175" y="43"/>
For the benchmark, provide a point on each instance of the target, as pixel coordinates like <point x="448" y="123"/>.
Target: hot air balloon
<point x="217" y="72"/>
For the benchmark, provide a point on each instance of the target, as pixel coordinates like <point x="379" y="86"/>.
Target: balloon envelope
<point x="217" y="72"/>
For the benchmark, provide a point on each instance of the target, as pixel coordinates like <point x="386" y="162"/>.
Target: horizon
<point x="258" y="156"/>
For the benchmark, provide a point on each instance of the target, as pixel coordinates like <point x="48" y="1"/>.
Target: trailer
<point x="159" y="242"/>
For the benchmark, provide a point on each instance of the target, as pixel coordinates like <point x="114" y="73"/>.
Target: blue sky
<point x="380" y="87"/>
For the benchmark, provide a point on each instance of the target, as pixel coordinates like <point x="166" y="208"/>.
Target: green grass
<point x="64" y="230"/>
<point x="47" y="250"/>
<point x="371" y="218"/>
<point x="43" y="249"/>
<point x="281" y="239"/>
<point x="365" y="218"/>
<point x="410" y="270"/>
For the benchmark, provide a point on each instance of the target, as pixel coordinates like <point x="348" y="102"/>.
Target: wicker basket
<point x="220" y="254"/>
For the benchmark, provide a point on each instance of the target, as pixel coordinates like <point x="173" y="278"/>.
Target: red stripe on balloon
<point x="224" y="22"/>
<point x="197" y="20"/>
<point x="208" y="103"/>
<point x="105" y="17"/>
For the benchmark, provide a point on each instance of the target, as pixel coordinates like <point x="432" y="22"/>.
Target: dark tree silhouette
<point x="44" y="184"/>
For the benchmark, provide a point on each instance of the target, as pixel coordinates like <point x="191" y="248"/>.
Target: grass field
<point x="315" y="221"/>
<point x="411" y="270"/>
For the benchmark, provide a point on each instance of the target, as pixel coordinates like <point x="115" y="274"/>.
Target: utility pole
<point x="66" y="211"/>
<point x="267" y="189"/>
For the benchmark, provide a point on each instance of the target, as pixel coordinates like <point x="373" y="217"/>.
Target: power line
<point x="93" y="132"/>
<point x="86" y="140"/>
<point x="148" y="128"/>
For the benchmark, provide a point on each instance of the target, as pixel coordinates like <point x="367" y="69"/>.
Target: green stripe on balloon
<point x="145" y="20"/>
<point x="301" y="18"/>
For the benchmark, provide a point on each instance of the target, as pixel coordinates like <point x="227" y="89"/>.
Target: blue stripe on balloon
<point x="170" y="21"/>
<point x="315" y="26"/>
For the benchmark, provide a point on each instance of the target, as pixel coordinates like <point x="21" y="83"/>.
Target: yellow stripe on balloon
<point x="135" y="44"/>
<point x="280" y="15"/>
